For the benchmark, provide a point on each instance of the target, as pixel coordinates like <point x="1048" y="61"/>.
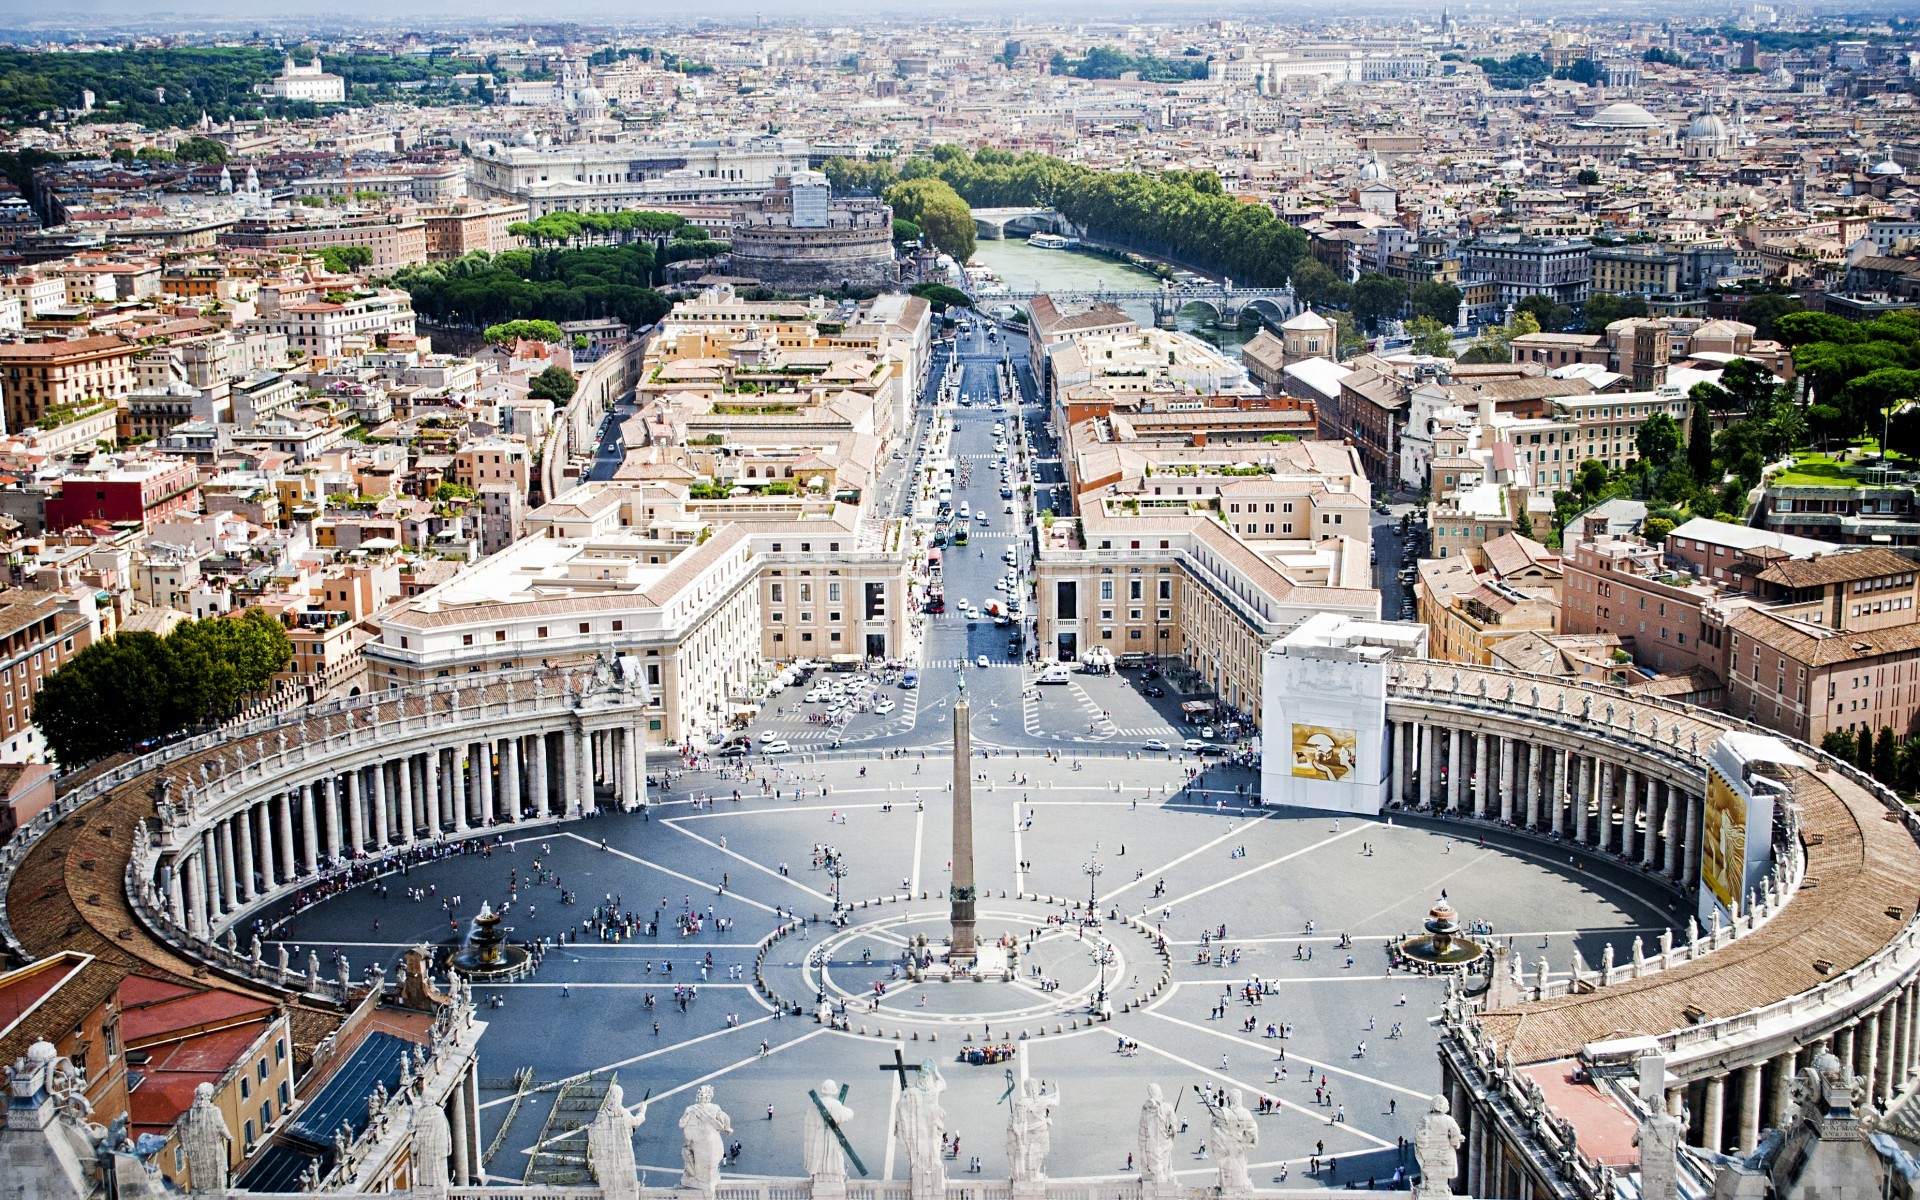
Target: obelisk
<point x="961" y="890"/>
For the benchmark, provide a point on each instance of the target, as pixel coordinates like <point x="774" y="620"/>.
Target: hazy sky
<point x="83" y="18"/>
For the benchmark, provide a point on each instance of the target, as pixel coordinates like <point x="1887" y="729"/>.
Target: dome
<point x="590" y="97"/>
<point x="1625" y="116"/>
<point x="1374" y="171"/>
<point x="1780" y="80"/>
<point x="1888" y="167"/>
<point x="1307" y="322"/>
<point x="1707" y="127"/>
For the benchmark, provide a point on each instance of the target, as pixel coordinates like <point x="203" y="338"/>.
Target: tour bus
<point x="1054" y="673"/>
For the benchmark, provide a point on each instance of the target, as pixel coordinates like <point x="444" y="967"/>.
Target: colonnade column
<point x="430" y="790"/>
<point x="1606" y="775"/>
<point x="244" y="828"/>
<point x="1652" y="812"/>
<point x="483" y="766"/>
<point x="1508" y="765"/>
<point x="1482" y="785"/>
<point x="336" y="835"/>
<point x="378" y="799"/>
<point x="1397" y="786"/>
<point x="1455" y="776"/>
<point x="283" y="820"/>
<point x="1672" y="809"/>
<point x="403" y="798"/>
<point x="1749" y="1106"/>
<point x="633" y="793"/>
<point x="309" y="832"/>
<point x="1535" y="757"/>
<point x="1690" y="841"/>
<point x="1629" y="811"/>
<point x="1886" y="1078"/>
<point x="1429" y="793"/>
<point x="510" y="778"/>
<point x="1582" y="798"/>
<point x="193" y="882"/>
<point x="1713" y="1114"/>
<point x="542" y="794"/>
<point x="356" y="823"/>
<point x="269" y="863"/>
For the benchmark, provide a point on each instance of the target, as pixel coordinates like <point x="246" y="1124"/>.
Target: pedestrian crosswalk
<point x="954" y="664"/>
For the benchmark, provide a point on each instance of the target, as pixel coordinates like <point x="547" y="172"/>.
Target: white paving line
<point x="1323" y="1068"/>
<point x="693" y="1083"/>
<point x="919" y="836"/>
<point x="627" y="1062"/>
<point x="1236" y="831"/>
<point x="1334" y="937"/>
<point x="1230" y="1081"/>
<point x="673" y="823"/>
<point x="702" y="884"/>
<point x="1255" y="870"/>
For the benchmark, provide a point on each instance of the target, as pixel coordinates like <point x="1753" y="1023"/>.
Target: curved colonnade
<point x="1823" y="958"/>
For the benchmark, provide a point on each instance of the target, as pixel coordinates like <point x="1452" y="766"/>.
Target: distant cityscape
<point x="447" y="455"/>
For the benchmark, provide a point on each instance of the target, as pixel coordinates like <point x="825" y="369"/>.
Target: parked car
<point x="776" y="746"/>
<point x="1153" y="744"/>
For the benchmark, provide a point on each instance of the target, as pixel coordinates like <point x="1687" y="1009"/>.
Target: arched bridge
<point x="995" y="224"/>
<point x="1227" y="303"/>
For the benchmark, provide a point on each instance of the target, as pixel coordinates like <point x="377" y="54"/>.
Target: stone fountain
<point x="1443" y="945"/>
<point x="486" y="954"/>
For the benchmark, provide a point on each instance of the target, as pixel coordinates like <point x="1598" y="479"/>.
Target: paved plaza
<point x="1188" y="862"/>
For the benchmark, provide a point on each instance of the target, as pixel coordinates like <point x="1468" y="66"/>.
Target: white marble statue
<point x="921" y="1126"/>
<point x="1436" y="1146"/>
<point x="1030" y="1130"/>
<point x="1232" y="1136"/>
<point x="704" y="1127"/>
<point x="205" y="1138"/>
<point x="432" y="1144"/>
<point x="610" y="1146"/>
<point x="1158" y="1124"/>
<point x="1659" y="1140"/>
<point x="821" y="1151"/>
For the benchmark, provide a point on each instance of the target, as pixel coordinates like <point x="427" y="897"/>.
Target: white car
<point x="981" y="661"/>
<point x="1153" y="744"/>
<point x="813" y="697"/>
<point x="883" y="708"/>
<point x="1193" y="744"/>
<point x="776" y="746"/>
<point x="982" y="516"/>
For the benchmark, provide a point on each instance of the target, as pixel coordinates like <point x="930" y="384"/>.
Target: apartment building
<point x="1525" y="266"/>
<point x="1056" y="323"/>
<point x="1471" y="608"/>
<point x="39" y="630"/>
<point x="325" y="329"/>
<point x="464" y="226"/>
<point x="1636" y="270"/>
<point x="394" y="239"/>
<point x="702" y="595"/>
<point x="41" y="377"/>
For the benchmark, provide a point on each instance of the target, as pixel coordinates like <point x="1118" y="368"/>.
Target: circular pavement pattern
<point x="1231" y="888"/>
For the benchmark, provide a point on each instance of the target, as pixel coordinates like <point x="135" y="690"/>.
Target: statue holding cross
<point x="826" y="1151"/>
<point x="921" y="1125"/>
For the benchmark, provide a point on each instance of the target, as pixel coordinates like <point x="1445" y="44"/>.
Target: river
<point x="1025" y="268"/>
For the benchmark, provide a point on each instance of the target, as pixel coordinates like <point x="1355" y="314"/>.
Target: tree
<point x="938" y="210"/>
<point x="1700" y="441"/>
<point x="1886" y="764"/>
<point x="1656" y="529"/>
<point x="1588" y="177"/>
<point x="1550" y="314"/>
<point x="1593" y="477"/>
<point x="1376" y="297"/>
<point x="1657" y="440"/>
<point x="906" y="231"/>
<point x="1430" y="337"/>
<point x="1440" y="301"/>
<point x="1523" y="524"/>
<point x="201" y="150"/>
<point x="556" y="383"/>
<point x="941" y="296"/>
<point x="345" y="260"/>
<point x="136" y="687"/>
<point x="1764" y="311"/>
<point x="508" y="332"/>
<point x="1840" y="743"/>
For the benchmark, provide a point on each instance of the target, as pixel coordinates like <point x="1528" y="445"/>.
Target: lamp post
<point x="836" y="866"/>
<point x="1103" y="956"/>
<point x="1092" y="869"/>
